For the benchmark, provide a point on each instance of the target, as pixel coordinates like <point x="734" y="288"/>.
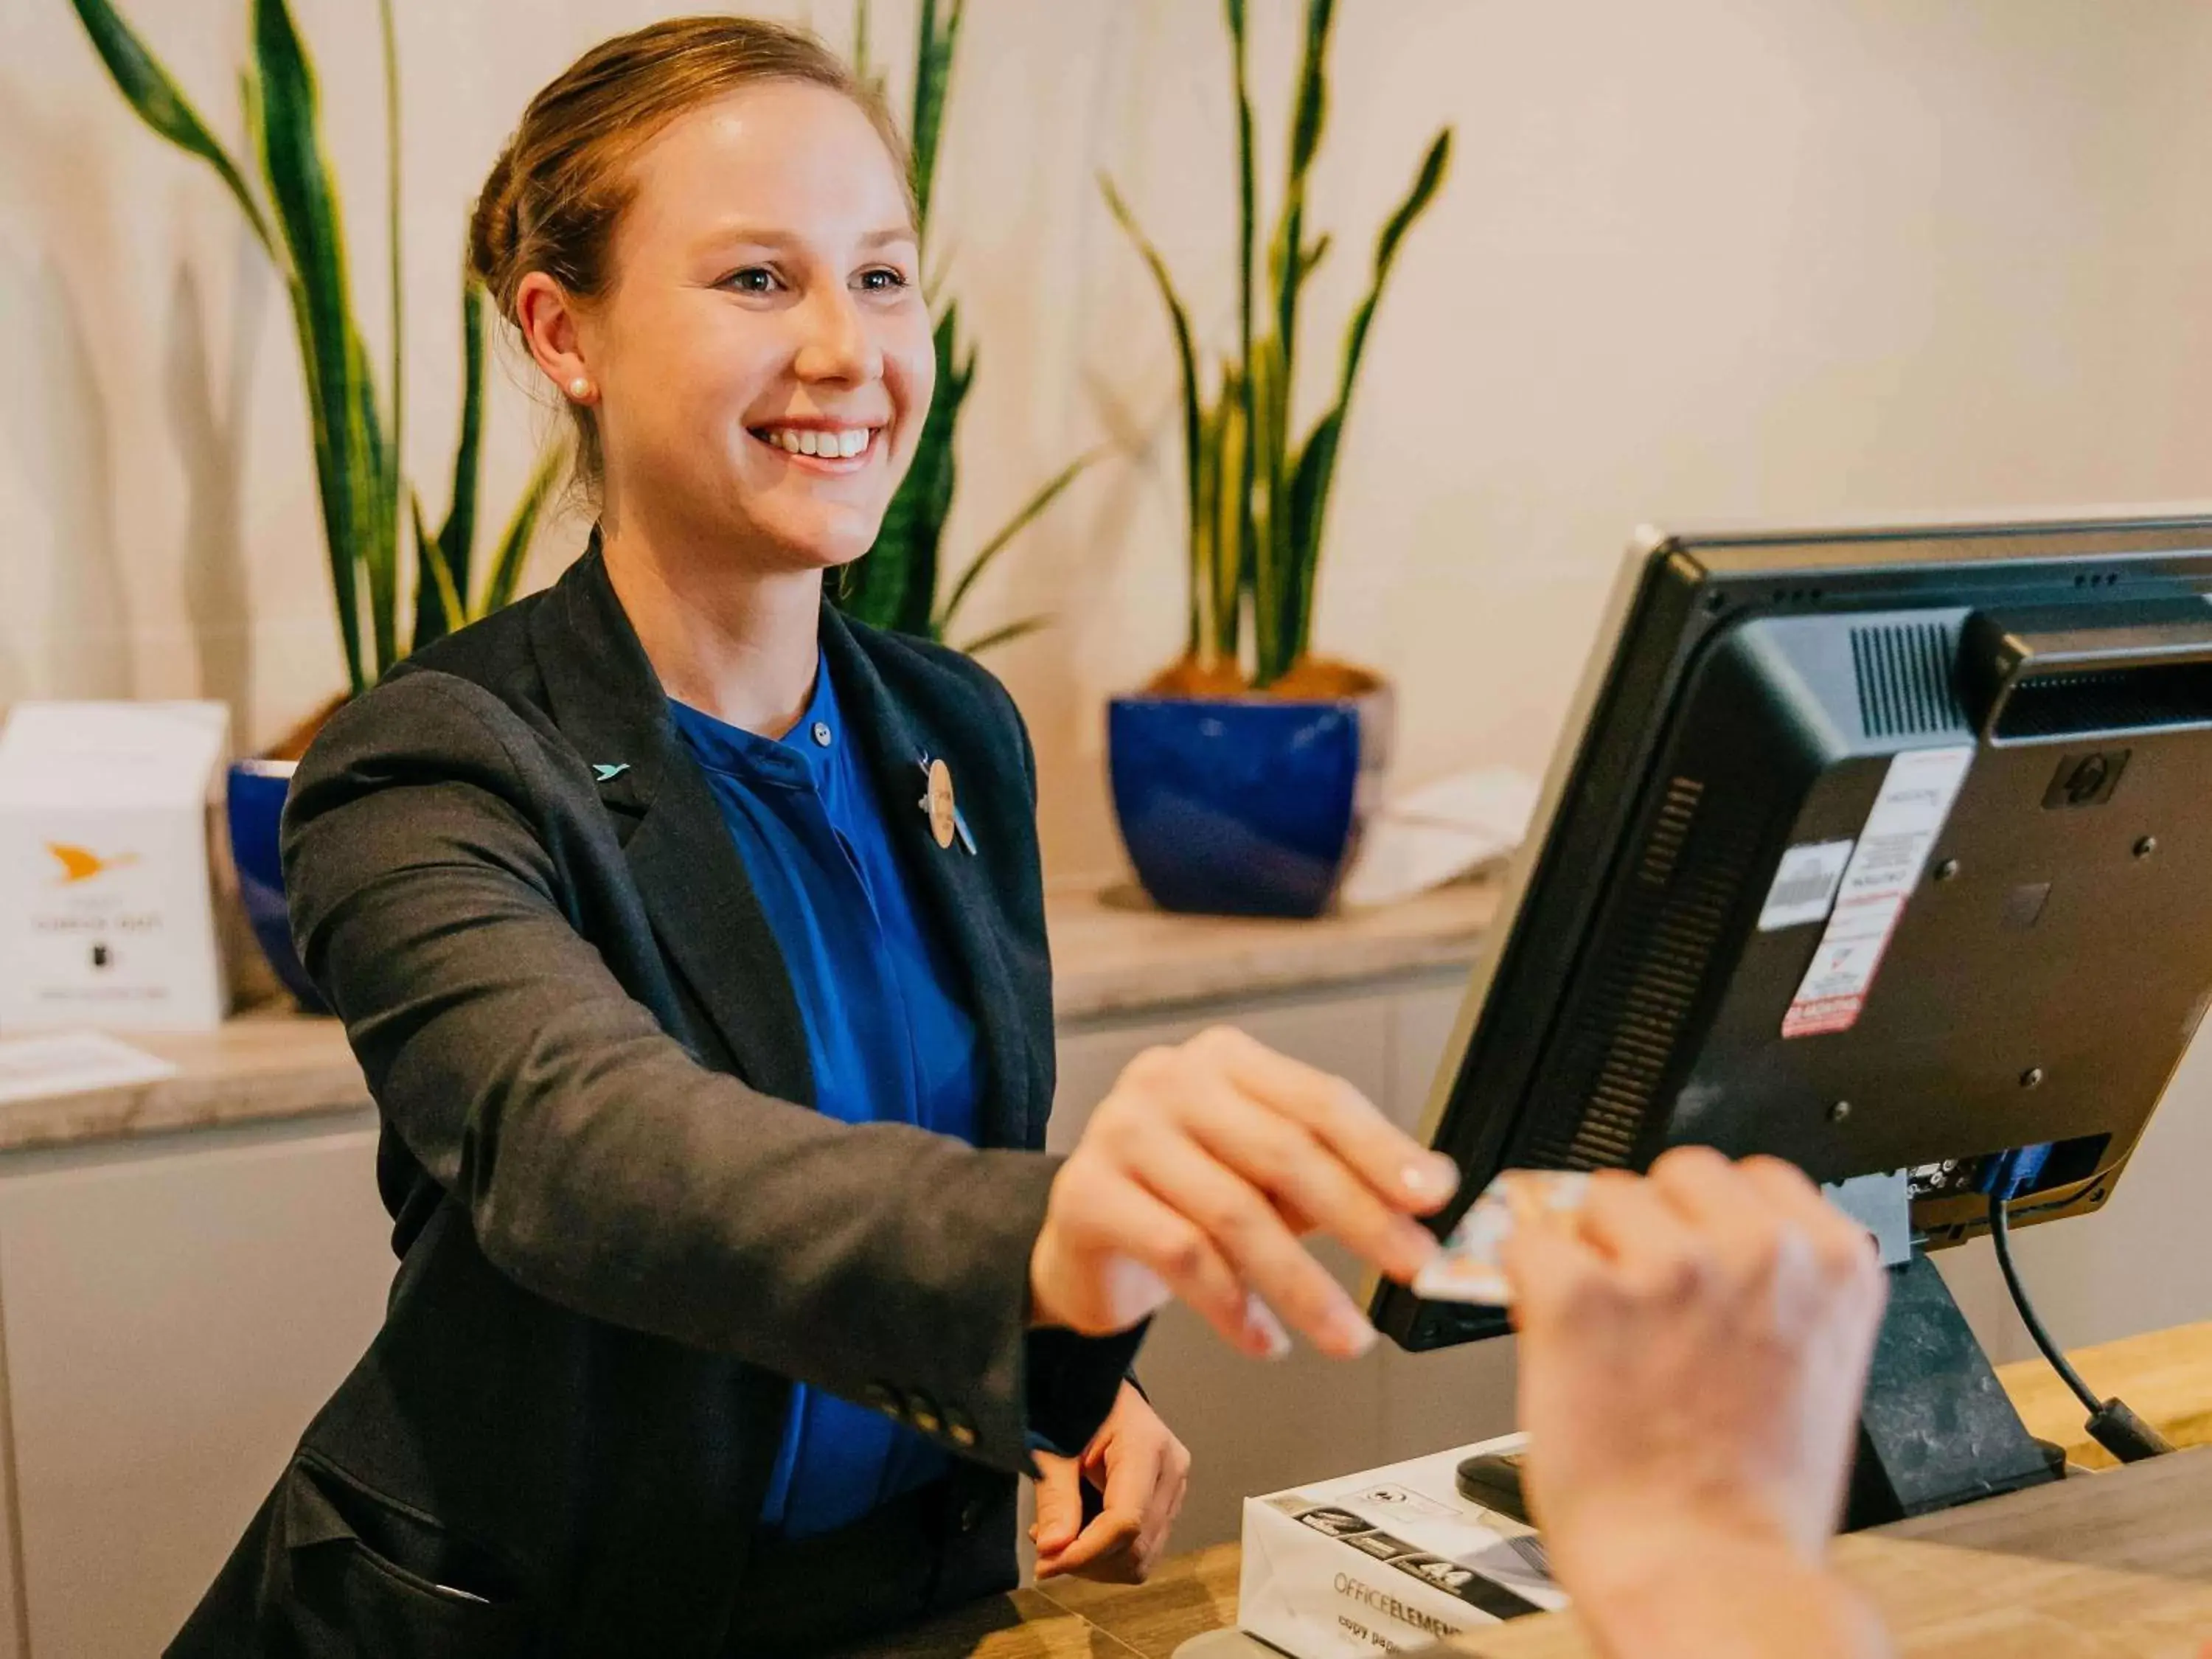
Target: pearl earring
<point x="580" y="388"/>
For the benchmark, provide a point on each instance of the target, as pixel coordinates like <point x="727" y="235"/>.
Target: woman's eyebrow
<point x="750" y="235"/>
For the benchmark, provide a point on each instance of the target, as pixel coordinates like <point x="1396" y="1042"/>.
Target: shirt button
<point x="822" y="733"/>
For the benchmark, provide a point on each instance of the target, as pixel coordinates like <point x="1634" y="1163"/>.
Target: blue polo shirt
<point x="886" y="1031"/>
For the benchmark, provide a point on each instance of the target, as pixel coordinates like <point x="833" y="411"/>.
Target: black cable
<point x="2113" y="1424"/>
<point x="2001" y="1236"/>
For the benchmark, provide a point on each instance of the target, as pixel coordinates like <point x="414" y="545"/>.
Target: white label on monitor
<point x="1805" y="884"/>
<point x="1883" y="870"/>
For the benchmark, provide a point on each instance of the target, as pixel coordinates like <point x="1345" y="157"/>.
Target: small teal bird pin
<point x="603" y="771"/>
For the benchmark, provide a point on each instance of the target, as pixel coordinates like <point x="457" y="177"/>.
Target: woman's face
<point x="761" y="354"/>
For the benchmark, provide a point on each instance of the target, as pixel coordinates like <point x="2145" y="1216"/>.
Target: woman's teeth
<point x="810" y="440"/>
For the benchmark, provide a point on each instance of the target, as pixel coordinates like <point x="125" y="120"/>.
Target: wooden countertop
<point x="1113" y="956"/>
<point x="2096" y="1567"/>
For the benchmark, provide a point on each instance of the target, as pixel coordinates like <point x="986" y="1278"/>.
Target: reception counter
<point x="2103" y="1563"/>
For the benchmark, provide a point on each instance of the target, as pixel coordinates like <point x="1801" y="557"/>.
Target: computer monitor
<point x="1877" y="849"/>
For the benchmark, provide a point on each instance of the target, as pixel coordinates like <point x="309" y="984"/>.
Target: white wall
<point x="1711" y="258"/>
<point x="1708" y="258"/>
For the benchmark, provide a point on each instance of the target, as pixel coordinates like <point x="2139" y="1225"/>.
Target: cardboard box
<point x="1387" y="1559"/>
<point x="109" y="815"/>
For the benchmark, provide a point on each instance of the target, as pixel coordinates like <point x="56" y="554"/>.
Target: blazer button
<point x="882" y="1397"/>
<point x="922" y="1412"/>
<point x="971" y="1515"/>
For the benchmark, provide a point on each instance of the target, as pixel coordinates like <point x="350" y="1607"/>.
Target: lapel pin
<point x="603" y="771"/>
<point x="945" y="821"/>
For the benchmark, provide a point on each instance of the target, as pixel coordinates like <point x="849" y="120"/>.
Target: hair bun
<point x="495" y="228"/>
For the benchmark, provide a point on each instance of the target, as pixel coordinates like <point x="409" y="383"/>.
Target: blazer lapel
<point x="953" y="883"/>
<point x="609" y="703"/>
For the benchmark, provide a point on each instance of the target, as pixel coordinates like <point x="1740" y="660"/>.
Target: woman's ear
<point x="551" y="328"/>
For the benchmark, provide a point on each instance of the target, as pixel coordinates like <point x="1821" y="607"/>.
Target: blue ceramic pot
<point x="255" y="802"/>
<point x="1246" y="806"/>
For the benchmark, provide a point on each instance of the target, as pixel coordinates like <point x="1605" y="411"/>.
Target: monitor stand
<point x="1936" y="1429"/>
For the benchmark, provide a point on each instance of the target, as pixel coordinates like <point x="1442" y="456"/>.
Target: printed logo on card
<point x="82" y="864"/>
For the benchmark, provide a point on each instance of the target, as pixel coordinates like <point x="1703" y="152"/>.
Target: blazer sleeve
<point x="602" y="1168"/>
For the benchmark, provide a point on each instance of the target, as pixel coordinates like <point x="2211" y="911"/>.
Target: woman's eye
<point x="883" y="279"/>
<point x="753" y="279"/>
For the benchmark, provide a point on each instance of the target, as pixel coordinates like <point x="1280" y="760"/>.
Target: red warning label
<point x="1885" y="867"/>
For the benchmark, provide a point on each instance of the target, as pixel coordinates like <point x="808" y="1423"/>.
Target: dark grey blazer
<point x="621" y="1228"/>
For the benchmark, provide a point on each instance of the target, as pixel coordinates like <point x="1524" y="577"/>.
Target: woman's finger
<point x="1623" y="1217"/>
<point x="1121" y="1218"/>
<point x="1058" y="1506"/>
<point x="1544" y="1258"/>
<point x="1392" y="1161"/>
<point x="1241" y="1225"/>
<point x="1840" y="1242"/>
<point x="1304" y="1180"/>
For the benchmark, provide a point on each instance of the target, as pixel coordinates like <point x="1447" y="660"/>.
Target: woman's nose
<point x="834" y="344"/>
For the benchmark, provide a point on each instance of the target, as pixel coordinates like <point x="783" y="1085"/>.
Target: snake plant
<point x="1258" y="496"/>
<point x="291" y="204"/>
<point x="895" y="584"/>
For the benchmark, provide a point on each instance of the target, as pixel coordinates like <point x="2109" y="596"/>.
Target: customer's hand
<point x="1140" y="1472"/>
<point x="1693" y="1350"/>
<point x="1195" y="1177"/>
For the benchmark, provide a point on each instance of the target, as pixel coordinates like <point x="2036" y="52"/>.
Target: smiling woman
<point x="691" y="939"/>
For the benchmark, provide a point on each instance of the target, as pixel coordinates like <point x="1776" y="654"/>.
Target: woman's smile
<point x="811" y="446"/>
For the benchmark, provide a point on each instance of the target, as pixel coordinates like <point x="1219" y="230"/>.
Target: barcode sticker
<point x="1805" y="884"/>
<point x="1916" y="797"/>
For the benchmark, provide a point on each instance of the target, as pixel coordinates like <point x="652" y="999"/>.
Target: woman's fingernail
<point x="1350" y="1332"/>
<point x="1432" y="1176"/>
<point x="1418" y="1245"/>
<point x="1260" y="1320"/>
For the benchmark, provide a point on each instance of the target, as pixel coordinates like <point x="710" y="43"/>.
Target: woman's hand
<point x="1140" y="1471"/>
<point x="1694" y="1348"/>
<point x="1195" y="1177"/>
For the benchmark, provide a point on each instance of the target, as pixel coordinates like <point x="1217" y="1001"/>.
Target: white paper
<point x="1385" y="1559"/>
<point x="1805" y="884"/>
<point x="1916" y="797"/>
<point x="74" y="1062"/>
<point x="1438" y="833"/>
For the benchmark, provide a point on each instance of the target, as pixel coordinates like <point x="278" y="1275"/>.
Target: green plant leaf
<point x="932" y="85"/>
<point x="1006" y="636"/>
<point x="162" y="104"/>
<point x="1199" y="492"/>
<point x="1316" y="468"/>
<point x="456" y="537"/>
<point x="351" y="459"/>
<point x="395" y="245"/>
<point x="506" y="559"/>
<point x="1238" y="529"/>
<point x="436" y="580"/>
<point x="1014" y="526"/>
<point x="1310" y="115"/>
<point x="1426" y="182"/>
<point x="1228" y="556"/>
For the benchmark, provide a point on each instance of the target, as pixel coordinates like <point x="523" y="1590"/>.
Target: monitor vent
<point x="1621" y="1046"/>
<point x="1904" y="672"/>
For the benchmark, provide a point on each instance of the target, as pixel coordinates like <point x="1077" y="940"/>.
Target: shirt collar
<point x="808" y="753"/>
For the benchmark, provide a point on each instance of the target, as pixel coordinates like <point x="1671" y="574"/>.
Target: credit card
<point x="1467" y="1268"/>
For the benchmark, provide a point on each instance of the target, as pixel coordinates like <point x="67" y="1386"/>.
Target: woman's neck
<point x="741" y="645"/>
